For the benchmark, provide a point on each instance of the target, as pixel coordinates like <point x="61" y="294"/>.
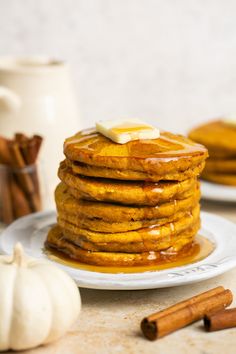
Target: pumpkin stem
<point x="18" y="255"/>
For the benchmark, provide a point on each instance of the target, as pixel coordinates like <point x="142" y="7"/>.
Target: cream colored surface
<point x="35" y="308"/>
<point x="109" y="322"/>
<point x="36" y="97"/>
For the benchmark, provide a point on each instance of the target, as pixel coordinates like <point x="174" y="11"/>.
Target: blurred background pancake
<point x="218" y="136"/>
<point x="220" y="139"/>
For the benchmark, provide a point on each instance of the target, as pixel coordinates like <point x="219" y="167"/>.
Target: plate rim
<point x="200" y="270"/>
<point x="220" y="188"/>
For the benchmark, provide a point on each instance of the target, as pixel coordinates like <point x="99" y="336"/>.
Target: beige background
<point x="170" y="61"/>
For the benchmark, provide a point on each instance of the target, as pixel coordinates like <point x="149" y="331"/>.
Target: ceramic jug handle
<point x="9" y="100"/>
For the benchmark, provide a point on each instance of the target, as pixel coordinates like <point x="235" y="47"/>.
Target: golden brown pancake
<point x="129" y="175"/>
<point x="219" y="137"/>
<point x="145" y="239"/>
<point x="127" y="204"/>
<point x="120" y="213"/>
<point x="227" y="179"/>
<point x="162" y="243"/>
<point x="224" y="166"/>
<point x="125" y="192"/>
<point x="104" y="226"/>
<point x="56" y="240"/>
<point x="163" y="156"/>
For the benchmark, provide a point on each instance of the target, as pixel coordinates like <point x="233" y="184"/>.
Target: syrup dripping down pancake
<point x="124" y="192"/>
<point x="129" y="175"/>
<point x="150" y="235"/>
<point x="57" y="241"/>
<point x="168" y="154"/>
<point x="117" y="213"/>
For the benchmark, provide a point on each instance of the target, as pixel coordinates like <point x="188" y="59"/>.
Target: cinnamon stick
<point x="19" y="200"/>
<point x="33" y="148"/>
<point x="6" y="207"/>
<point x="220" y="320"/>
<point x="18" y="176"/>
<point x="182" y="314"/>
<point x="30" y="148"/>
<point x="5" y="156"/>
<point x="24" y="177"/>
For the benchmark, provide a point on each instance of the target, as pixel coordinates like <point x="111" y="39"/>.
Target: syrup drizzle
<point x="130" y="128"/>
<point x="200" y="249"/>
<point x="166" y="148"/>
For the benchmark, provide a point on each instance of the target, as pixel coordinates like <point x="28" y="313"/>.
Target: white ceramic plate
<point x="218" y="192"/>
<point x="31" y="231"/>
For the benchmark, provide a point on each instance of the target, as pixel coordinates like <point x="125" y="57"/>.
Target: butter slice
<point x="230" y="119"/>
<point x="122" y="131"/>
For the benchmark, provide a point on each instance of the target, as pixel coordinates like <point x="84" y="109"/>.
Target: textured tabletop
<point x="109" y="322"/>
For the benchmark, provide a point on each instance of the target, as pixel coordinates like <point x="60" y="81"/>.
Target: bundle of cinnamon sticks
<point x="209" y="306"/>
<point x="19" y="183"/>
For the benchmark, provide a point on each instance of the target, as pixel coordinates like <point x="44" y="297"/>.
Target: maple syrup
<point x="130" y="129"/>
<point x="200" y="249"/>
<point x="164" y="149"/>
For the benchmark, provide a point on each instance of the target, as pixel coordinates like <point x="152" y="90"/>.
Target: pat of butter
<point x="230" y="119"/>
<point x="122" y="131"/>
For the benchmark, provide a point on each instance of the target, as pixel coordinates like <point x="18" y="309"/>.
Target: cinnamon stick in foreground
<point x="188" y="311"/>
<point x="220" y="320"/>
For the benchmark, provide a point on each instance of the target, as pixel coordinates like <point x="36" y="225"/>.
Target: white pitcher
<point x="36" y="97"/>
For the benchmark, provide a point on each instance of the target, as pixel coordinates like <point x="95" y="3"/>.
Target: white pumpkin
<point x="38" y="301"/>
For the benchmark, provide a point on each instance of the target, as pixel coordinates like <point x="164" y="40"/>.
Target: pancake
<point x="169" y="154"/>
<point x="219" y="137"/>
<point x="117" y="212"/>
<point x="127" y="204"/>
<point x="129" y="175"/>
<point x="103" y="226"/>
<point x="133" y="247"/>
<point x="227" y="179"/>
<point x="225" y="166"/>
<point x="145" y="239"/>
<point x="125" y="192"/>
<point x="56" y="240"/>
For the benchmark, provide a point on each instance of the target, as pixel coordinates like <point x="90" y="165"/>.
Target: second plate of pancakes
<point x="218" y="192"/>
<point x="219" y="175"/>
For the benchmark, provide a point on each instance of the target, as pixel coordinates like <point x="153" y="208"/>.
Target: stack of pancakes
<point x="130" y="204"/>
<point x="220" y="139"/>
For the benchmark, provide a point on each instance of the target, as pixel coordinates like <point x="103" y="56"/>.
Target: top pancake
<point x="167" y="154"/>
<point x="218" y="137"/>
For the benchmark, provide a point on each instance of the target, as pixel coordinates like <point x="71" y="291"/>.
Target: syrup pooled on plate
<point x="198" y="250"/>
